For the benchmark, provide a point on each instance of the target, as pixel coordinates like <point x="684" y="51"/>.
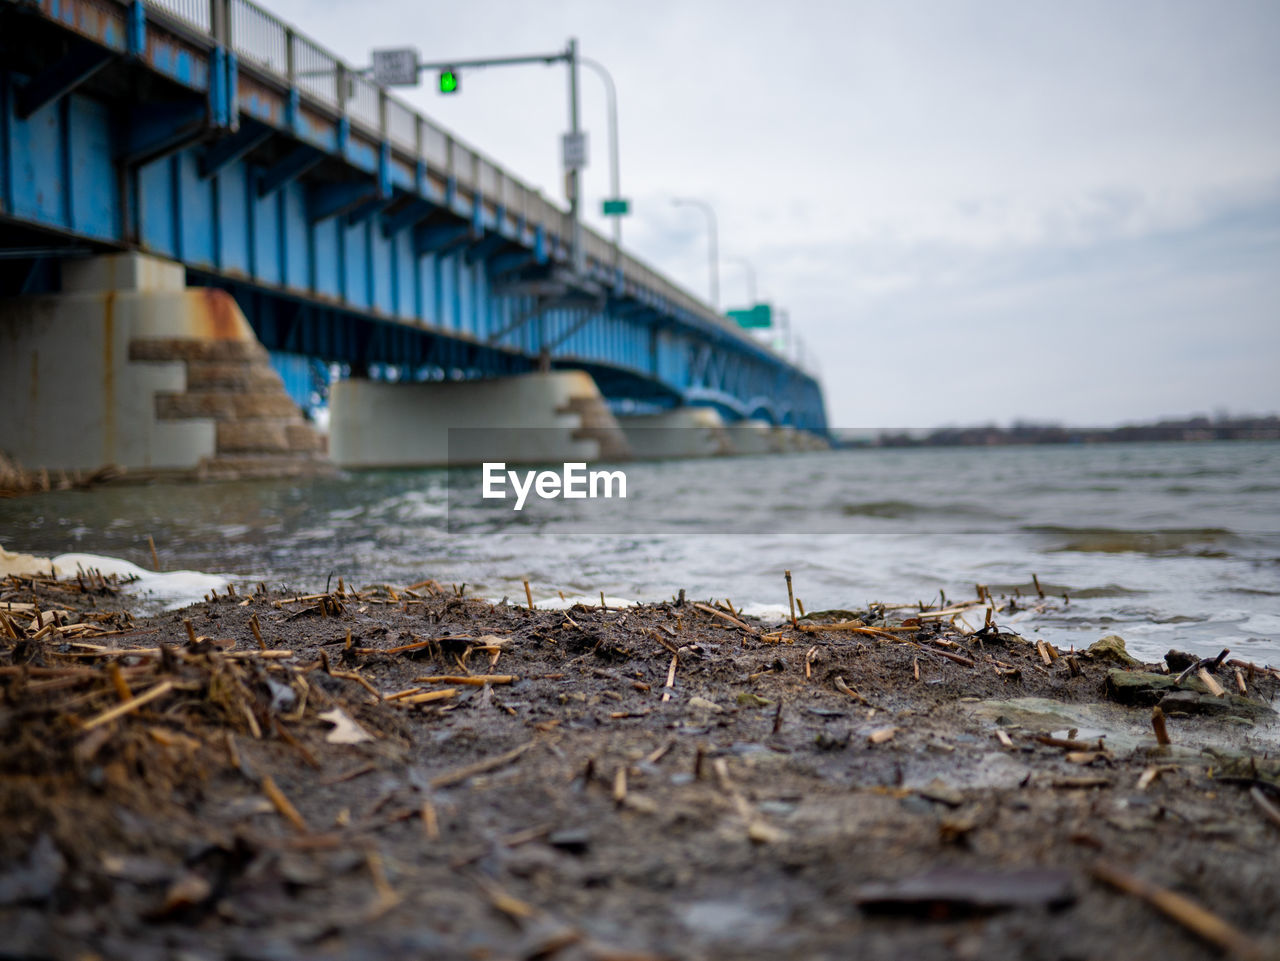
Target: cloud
<point x="986" y="208"/>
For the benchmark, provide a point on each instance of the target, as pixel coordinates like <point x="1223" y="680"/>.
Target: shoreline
<point x="669" y="780"/>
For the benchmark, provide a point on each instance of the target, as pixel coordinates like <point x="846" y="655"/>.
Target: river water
<point x="1168" y="545"/>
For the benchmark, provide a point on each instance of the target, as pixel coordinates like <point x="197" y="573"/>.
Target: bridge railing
<point x="264" y="42"/>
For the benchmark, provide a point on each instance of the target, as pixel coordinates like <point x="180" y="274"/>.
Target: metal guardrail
<point x="263" y="41"/>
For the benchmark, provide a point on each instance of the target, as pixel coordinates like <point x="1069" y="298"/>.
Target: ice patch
<point x="170" y="589"/>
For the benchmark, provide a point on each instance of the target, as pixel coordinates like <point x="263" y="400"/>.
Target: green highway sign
<point x="758" y="317"/>
<point x="448" y="81"/>
<point x="616" y="207"/>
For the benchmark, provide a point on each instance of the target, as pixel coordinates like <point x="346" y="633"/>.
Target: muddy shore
<point x="409" y="773"/>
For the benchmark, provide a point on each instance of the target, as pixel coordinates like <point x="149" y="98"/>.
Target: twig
<point x="472" y="680"/>
<point x="671" y="677"/>
<point x="1209" y="681"/>
<point x="1183" y="910"/>
<point x="161" y="689"/>
<point x="844" y="688"/>
<point x="283" y="805"/>
<point x="727" y="617"/>
<point x="479" y="767"/>
<point x="1158" y="725"/>
<point x="791" y="599"/>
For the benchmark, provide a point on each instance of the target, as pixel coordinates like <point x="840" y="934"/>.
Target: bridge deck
<point x="349" y="227"/>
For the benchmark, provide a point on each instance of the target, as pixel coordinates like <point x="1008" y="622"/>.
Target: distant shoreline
<point x="1191" y="430"/>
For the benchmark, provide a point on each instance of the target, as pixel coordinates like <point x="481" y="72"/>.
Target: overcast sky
<point x="974" y="210"/>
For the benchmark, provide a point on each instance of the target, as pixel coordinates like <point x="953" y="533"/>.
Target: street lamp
<point x="614" y="190"/>
<point x="751" y="277"/>
<point x="713" y="244"/>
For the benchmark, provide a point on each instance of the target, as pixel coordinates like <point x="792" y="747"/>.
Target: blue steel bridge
<point x="349" y="228"/>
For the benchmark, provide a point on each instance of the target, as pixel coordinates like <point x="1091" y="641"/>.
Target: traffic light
<point x="448" y="81"/>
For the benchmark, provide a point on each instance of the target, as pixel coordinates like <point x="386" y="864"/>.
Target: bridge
<point x="205" y="155"/>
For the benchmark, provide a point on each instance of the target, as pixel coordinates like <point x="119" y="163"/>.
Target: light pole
<point x="614" y="189"/>
<point x="751" y="277"/>
<point x="401" y="67"/>
<point x="713" y="244"/>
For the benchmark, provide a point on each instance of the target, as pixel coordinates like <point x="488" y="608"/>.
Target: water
<point x="1168" y="545"/>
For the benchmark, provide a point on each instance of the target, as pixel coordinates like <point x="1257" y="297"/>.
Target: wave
<point x="898" y="510"/>
<point x="1177" y="541"/>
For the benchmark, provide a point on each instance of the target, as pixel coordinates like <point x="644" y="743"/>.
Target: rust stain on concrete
<point x="220" y="317"/>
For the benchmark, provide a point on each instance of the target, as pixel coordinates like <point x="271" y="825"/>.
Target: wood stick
<point x="155" y="558"/>
<point x="843" y="688"/>
<point x="283" y="805"/>
<point x="117" y="678"/>
<point x="161" y="689"/>
<point x="528" y="595"/>
<point x="958" y="658"/>
<point x="479" y="767"/>
<point x="191" y="631"/>
<point x="1183" y="910"/>
<point x="430" y="823"/>
<point x="473" y="680"/>
<point x="1210" y="682"/>
<point x="1158" y="725"/>
<point x="620" y="786"/>
<point x="399" y="694"/>
<point x="791" y="598"/>
<point x="1240" y="685"/>
<point x="671" y="677"/>
<point x="257" y="632"/>
<point x="443" y="695"/>
<point x="727" y="617"/>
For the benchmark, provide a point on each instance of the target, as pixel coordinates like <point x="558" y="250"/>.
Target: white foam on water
<point x="770" y="615"/>
<point x="171" y="589"/>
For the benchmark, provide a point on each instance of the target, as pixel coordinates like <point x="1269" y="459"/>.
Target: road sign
<point x="616" y="207"/>
<point x="574" y="149"/>
<point x="396" y="68"/>
<point x="758" y="317"/>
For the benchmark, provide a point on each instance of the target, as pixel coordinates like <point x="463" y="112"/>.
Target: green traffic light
<point x="448" y="81"/>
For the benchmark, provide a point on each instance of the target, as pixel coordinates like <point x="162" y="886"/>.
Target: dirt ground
<point x="657" y="782"/>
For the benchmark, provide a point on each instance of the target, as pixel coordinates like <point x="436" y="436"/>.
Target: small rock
<point x="1179" y="661"/>
<point x="702" y="704"/>
<point x="747" y="699"/>
<point x="1111" y="649"/>
<point x="942" y="792"/>
<point x="1144" y="689"/>
<point x="571" y="840"/>
<point x="944" y="892"/>
<point x="1193" y="702"/>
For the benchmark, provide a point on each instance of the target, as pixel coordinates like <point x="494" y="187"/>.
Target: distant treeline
<point x="1191" y="429"/>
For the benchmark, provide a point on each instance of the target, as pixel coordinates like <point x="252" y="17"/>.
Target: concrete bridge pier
<point x="129" y="367"/>
<point x="751" y="437"/>
<point x="543" y="417"/>
<point x="682" y="432"/>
